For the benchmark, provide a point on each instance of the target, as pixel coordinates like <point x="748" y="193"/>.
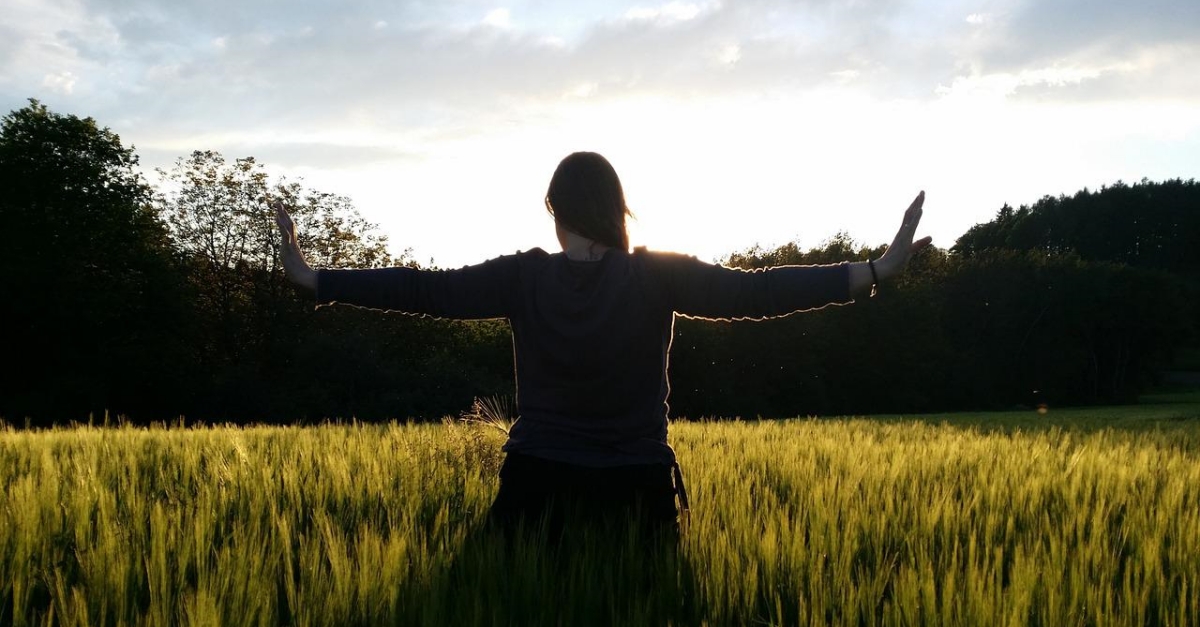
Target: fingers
<point x="919" y="244"/>
<point x="908" y="227"/>
<point x="918" y="201"/>
<point x="903" y="245"/>
<point x="912" y="216"/>
<point x="286" y="226"/>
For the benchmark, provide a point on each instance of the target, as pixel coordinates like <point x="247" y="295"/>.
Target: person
<point x="592" y="328"/>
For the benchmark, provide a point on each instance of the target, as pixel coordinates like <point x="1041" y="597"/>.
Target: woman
<point x="592" y="328"/>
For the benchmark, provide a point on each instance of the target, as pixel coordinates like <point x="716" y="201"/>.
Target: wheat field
<point x="1077" y="517"/>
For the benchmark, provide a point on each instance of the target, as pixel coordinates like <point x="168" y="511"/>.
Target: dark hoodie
<point x="591" y="338"/>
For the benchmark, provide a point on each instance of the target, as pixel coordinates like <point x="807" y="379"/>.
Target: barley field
<point x="1075" y="517"/>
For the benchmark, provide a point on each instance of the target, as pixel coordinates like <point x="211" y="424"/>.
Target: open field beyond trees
<point x="1076" y="517"/>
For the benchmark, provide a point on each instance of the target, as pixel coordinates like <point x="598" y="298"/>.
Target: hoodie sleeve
<point x="703" y="290"/>
<point x="482" y="291"/>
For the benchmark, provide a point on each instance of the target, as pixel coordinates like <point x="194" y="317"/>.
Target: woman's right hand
<point x="294" y="266"/>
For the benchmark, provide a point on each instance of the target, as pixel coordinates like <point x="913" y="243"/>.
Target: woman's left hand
<point x="903" y="247"/>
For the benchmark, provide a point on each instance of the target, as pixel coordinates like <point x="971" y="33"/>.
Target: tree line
<point x="162" y="302"/>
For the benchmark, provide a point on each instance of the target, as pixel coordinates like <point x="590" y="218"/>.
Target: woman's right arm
<point x="294" y="266"/>
<point x="482" y="291"/>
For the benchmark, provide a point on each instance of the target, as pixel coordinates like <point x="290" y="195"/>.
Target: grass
<point x="1075" y="517"/>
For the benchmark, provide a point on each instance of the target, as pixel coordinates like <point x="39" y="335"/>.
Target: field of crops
<point x="1076" y="517"/>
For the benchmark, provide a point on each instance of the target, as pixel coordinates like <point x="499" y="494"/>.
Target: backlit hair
<point x="586" y="198"/>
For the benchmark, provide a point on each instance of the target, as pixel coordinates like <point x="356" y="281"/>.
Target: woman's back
<point x="590" y="341"/>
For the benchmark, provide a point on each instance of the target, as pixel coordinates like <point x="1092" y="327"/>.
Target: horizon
<point x="731" y="125"/>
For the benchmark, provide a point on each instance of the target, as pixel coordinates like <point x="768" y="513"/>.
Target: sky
<point x="730" y="123"/>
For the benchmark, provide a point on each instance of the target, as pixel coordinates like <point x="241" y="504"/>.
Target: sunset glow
<point x="730" y="125"/>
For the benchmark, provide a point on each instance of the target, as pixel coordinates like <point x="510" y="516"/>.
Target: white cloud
<point x="728" y="55"/>
<point x="162" y="72"/>
<point x="582" y="90"/>
<point x="498" y="18"/>
<point x="1041" y="33"/>
<point x="61" y="83"/>
<point x="670" y="12"/>
<point x="1004" y="84"/>
<point x="845" y="76"/>
<point x="423" y="63"/>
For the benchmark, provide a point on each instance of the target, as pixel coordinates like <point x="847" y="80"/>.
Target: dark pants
<point x="568" y="499"/>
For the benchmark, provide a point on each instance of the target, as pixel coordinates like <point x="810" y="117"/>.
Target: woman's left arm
<point x="697" y="289"/>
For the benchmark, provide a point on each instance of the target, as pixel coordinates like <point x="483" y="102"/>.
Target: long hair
<point x="586" y="198"/>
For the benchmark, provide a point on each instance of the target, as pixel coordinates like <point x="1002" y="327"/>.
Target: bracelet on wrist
<point x="874" y="278"/>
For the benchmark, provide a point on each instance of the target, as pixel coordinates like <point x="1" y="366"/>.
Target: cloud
<point x="314" y="155"/>
<point x="1029" y="35"/>
<point x="667" y="13"/>
<point x="391" y="101"/>
<point x="1164" y="73"/>
<point x="498" y="18"/>
<point x="188" y="68"/>
<point x="62" y="83"/>
<point x="317" y="58"/>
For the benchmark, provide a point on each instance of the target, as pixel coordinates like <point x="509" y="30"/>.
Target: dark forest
<point x="166" y="304"/>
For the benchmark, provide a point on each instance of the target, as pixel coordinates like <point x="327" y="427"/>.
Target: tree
<point x="247" y="318"/>
<point x="219" y="218"/>
<point x="1148" y="224"/>
<point x="218" y="211"/>
<point x="85" y="260"/>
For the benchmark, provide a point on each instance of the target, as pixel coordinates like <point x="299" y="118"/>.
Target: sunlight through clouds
<point x="1002" y="85"/>
<point x="750" y="123"/>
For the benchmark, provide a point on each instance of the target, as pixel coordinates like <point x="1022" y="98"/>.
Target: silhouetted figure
<point x="592" y="329"/>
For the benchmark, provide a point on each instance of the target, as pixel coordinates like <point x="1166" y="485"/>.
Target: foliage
<point x="1075" y="517"/>
<point x="1058" y="329"/>
<point x="841" y="247"/>
<point x="1152" y="226"/>
<point x="86" y="266"/>
<point x="988" y="324"/>
<point x="1147" y="224"/>
<point x="247" y="322"/>
<point x="218" y="212"/>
